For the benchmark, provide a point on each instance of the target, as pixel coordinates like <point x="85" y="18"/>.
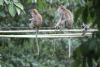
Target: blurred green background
<point x="22" y="52"/>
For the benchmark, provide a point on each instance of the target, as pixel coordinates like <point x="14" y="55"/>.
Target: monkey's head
<point x="34" y="12"/>
<point x="83" y="25"/>
<point x="61" y="9"/>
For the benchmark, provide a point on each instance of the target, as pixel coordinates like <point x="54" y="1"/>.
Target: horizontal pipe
<point x="25" y="27"/>
<point x="45" y="36"/>
<point x="42" y="27"/>
<point x="21" y="31"/>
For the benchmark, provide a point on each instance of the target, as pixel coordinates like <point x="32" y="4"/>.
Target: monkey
<point x="86" y="27"/>
<point x="36" y="21"/>
<point x="66" y="17"/>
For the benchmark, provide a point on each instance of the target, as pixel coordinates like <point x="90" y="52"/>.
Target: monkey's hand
<point x="31" y="19"/>
<point x="61" y="27"/>
<point x="57" y="27"/>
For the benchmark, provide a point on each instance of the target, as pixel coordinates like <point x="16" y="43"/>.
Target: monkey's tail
<point x="85" y="31"/>
<point x="69" y="42"/>
<point x="37" y="40"/>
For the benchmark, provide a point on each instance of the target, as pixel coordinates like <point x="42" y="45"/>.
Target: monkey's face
<point x="60" y="10"/>
<point x="32" y="12"/>
<point x="83" y="25"/>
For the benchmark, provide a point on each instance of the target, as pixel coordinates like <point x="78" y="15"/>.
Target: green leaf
<point x="84" y="62"/>
<point x="18" y="10"/>
<point x="0" y="8"/>
<point x="34" y="64"/>
<point x="83" y="2"/>
<point x="76" y="63"/>
<point x="12" y="10"/>
<point x="86" y="1"/>
<point x="19" y="5"/>
<point x="92" y="44"/>
<point x="96" y="49"/>
<point x="89" y="62"/>
<point x="28" y="1"/>
<point x="89" y="18"/>
<point x="39" y="4"/>
<point x="80" y="2"/>
<point x="23" y="63"/>
<point x="78" y="13"/>
<point x="92" y="12"/>
<point x="24" y="12"/>
<point x="1" y="2"/>
<point x="2" y="14"/>
<point x="44" y="2"/>
<point x="85" y="14"/>
<point x="15" y="0"/>
<point x="6" y="1"/>
<point x="27" y="64"/>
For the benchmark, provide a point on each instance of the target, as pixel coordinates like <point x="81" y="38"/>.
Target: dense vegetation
<point x="22" y="52"/>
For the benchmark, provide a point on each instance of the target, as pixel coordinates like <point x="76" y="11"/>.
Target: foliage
<point x="89" y="13"/>
<point x="13" y="7"/>
<point x="87" y="54"/>
<point x="21" y="52"/>
<point x="26" y="55"/>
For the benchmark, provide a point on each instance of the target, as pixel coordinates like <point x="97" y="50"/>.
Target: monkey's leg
<point x="63" y="24"/>
<point x="63" y="21"/>
<point x="31" y="25"/>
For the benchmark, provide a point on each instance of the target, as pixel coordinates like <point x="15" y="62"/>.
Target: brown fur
<point x="37" y="21"/>
<point x="39" y="17"/>
<point x="67" y="12"/>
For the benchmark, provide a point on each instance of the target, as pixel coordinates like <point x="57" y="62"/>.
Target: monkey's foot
<point x="30" y="26"/>
<point x="57" y="27"/>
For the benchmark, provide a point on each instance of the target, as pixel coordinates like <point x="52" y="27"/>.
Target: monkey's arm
<point x="31" y="14"/>
<point x="59" y="21"/>
<point x="88" y="26"/>
<point x="31" y="19"/>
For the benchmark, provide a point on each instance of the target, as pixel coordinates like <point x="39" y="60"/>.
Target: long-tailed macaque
<point x="86" y="27"/>
<point x="66" y="20"/>
<point x="66" y="17"/>
<point x="37" y="21"/>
